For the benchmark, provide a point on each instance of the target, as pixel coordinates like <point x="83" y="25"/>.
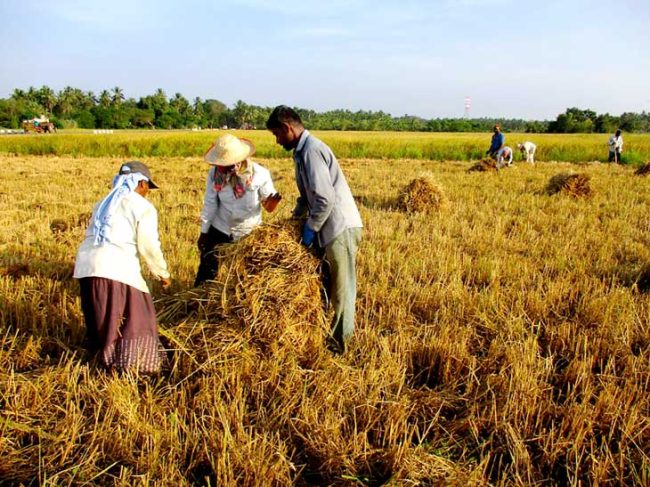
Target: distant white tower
<point x="468" y="105"/>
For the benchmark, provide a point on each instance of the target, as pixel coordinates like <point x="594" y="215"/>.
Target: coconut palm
<point x="105" y="99"/>
<point x="118" y="96"/>
<point x="47" y="98"/>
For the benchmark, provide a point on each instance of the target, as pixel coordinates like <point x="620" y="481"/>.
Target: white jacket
<point x="133" y="233"/>
<point x="236" y="216"/>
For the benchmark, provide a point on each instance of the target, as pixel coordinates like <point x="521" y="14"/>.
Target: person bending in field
<point x="115" y="300"/>
<point x="504" y="157"/>
<point x="527" y="150"/>
<point x="332" y="220"/>
<point x="498" y="140"/>
<point x="236" y="191"/>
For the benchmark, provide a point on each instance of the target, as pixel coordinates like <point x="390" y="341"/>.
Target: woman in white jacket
<point x="117" y="306"/>
<point x="237" y="189"/>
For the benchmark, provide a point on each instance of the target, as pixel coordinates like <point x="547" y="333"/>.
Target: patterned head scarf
<point x="239" y="176"/>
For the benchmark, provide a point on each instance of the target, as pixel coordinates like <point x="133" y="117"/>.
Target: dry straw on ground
<point x="15" y="271"/>
<point x="643" y="170"/>
<point x="572" y="184"/>
<point x="502" y="347"/>
<point x="484" y="165"/>
<point x="268" y="287"/>
<point x="420" y="195"/>
<point x="59" y="226"/>
<point x="643" y="279"/>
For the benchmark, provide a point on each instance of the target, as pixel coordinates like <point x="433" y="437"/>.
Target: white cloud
<point x="300" y="8"/>
<point x="114" y="15"/>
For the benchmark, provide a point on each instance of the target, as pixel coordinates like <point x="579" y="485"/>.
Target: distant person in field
<point x="236" y="191"/>
<point x="332" y="220"/>
<point x="504" y="157"/>
<point x="615" y="145"/>
<point x="498" y="141"/>
<point x="527" y="150"/>
<point x="117" y="306"/>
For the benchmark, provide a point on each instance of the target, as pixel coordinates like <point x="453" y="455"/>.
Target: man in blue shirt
<point x="332" y="220"/>
<point x="498" y="139"/>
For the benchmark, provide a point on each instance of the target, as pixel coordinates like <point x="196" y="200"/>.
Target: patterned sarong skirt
<point x="120" y="325"/>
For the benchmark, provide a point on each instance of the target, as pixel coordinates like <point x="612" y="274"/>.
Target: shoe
<point x="334" y="346"/>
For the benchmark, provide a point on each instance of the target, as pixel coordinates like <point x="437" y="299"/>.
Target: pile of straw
<point x="643" y="279"/>
<point x="484" y="165"/>
<point x="15" y="271"/>
<point x="268" y="290"/>
<point x="421" y="195"/>
<point x="643" y="170"/>
<point x="572" y="184"/>
<point x="60" y="225"/>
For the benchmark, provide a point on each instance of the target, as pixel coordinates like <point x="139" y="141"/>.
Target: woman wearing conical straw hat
<point x="236" y="191"/>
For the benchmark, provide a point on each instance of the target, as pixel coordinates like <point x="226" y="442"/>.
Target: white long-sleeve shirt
<point x="236" y="216"/>
<point x="528" y="149"/>
<point x="616" y="143"/>
<point x="133" y="233"/>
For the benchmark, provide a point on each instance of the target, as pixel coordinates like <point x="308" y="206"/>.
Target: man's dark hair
<point x="283" y="114"/>
<point x="618" y="132"/>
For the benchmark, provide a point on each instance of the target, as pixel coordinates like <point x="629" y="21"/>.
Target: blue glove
<point x="308" y="235"/>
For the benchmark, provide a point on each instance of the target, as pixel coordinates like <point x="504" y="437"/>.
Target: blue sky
<point x="519" y="59"/>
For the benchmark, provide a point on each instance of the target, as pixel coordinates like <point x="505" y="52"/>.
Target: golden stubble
<point x="502" y="339"/>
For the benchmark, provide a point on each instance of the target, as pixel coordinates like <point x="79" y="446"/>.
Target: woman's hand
<point x="271" y="202"/>
<point x="166" y="282"/>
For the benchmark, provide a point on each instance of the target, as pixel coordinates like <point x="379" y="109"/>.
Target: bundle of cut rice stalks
<point x="268" y="288"/>
<point x="421" y="195"/>
<point x="643" y="279"/>
<point x="643" y="170"/>
<point x="484" y="165"/>
<point x="572" y="184"/>
<point x="15" y="271"/>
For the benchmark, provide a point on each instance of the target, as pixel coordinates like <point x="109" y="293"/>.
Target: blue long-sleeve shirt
<point x="498" y="140"/>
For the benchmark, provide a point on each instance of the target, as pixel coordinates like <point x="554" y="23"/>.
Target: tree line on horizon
<point x="75" y="108"/>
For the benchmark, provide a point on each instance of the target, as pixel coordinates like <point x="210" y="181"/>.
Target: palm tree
<point x="105" y="99"/>
<point x="32" y="94"/>
<point x="47" y="98"/>
<point x="180" y="103"/>
<point x="89" y="99"/>
<point x="18" y="94"/>
<point x="243" y="114"/>
<point x="67" y="101"/>
<point x="118" y="96"/>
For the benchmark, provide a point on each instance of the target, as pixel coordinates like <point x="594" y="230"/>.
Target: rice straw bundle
<point x="643" y="170"/>
<point x="59" y="225"/>
<point x="268" y="285"/>
<point x="484" y="165"/>
<point x="15" y="271"/>
<point x="643" y="279"/>
<point x="421" y="195"/>
<point x="572" y="184"/>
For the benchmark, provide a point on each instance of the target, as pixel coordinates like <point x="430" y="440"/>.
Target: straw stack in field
<point x="15" y="271"/>
<point x="420" y="195"/>
<point x="268" y="288"/>
<point x="484" y="165"/>
<point x="572" y="184"/>
<point x="61" y="225"/>
<point x="643" y="170"/>
<point x="643" y="279"/>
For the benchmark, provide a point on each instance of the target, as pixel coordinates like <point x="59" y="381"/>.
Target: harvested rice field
<point x="502" y="339"/>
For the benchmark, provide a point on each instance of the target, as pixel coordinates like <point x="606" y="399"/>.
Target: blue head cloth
<point x="123" y="184"/>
